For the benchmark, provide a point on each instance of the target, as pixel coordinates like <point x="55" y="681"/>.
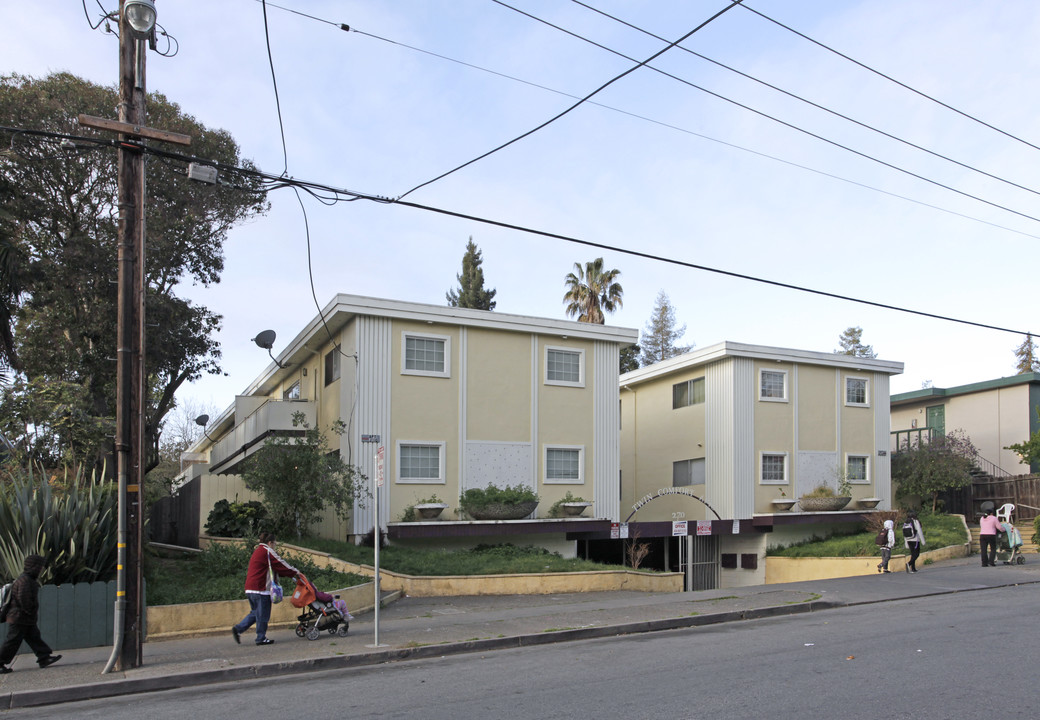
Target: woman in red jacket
<point x="263" y="561"/>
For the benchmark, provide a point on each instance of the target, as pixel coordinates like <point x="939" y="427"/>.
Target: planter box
<point x="783" y="504"/>
<point x="574" y="509"/>
<point x="429" y="511"/>
<point x="502" y="511"/>
<point x="822" y="504"/>
<point x="869" y="502"/>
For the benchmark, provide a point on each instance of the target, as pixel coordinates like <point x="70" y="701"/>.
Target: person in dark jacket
<point x="263" y="563"/>
<point x="22" y="618"/>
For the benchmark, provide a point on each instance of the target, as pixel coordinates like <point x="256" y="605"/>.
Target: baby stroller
<point x="1010" y="539"/>
<point x="321" y="611"/>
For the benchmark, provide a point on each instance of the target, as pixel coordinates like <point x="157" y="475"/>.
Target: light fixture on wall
<point x="265" y="340"/>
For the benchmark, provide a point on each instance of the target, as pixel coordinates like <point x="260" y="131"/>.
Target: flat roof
<point x="938" y="393"/>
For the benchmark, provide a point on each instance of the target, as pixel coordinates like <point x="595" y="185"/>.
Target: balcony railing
<point x="273" y="417"/>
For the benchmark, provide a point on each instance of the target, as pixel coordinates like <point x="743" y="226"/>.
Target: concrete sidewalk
<point x="415" y="628"/>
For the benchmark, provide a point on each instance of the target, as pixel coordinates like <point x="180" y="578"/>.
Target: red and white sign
<point x="704" y="527"/>
<point x="680" y="528"/>
<point x="380" y="454"/>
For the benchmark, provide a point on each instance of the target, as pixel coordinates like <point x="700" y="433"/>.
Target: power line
<point x="605" y="85"/>
<point x="891" y="79"/>
<point x="816" y="105"/>
<point x="280" y="181"/>
<point x="274" y="82"/>
<point x="775" y="119"/>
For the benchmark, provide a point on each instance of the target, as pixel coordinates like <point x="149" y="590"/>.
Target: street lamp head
<point x="140" y="16"/>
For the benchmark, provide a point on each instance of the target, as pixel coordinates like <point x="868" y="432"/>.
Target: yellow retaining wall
<point x="785" y="569"/>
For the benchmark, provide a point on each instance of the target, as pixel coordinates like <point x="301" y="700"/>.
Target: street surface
<point x="962" y="655"/>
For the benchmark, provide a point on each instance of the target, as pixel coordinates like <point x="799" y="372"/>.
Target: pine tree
<point x="471" y="292"/>
<point x="1028" y="362"/>
<point x="661" y="334"/>
<point x="851" y="342"/>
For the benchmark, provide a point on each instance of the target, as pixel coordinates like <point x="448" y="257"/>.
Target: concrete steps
<point x="1026" y="530"/>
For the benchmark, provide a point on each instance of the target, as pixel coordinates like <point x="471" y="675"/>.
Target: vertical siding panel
<point x="729" y="437"/>
<point x="374" y="349"/>
<point x="606" y="456"/>
<point x="881" y="403"/>
<point x="744" y="461"/>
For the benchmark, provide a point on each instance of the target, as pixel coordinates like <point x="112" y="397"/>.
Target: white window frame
<point x="866" y="391"/>
<point x="563" y="481"/>
<point x="580" y="352"/>
<point x="690" y="385"/>
<point x="446" y="339"/>
<point x="292" y="392"/>
<point x="866" y="468"/>
<point x="761" y="468"/>
<point x="439" y="480"/>
<point x="761" y="377"/>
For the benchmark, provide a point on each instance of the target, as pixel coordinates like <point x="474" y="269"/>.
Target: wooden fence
<point x="1021" y="490"/>
<point x="175" y="520"/>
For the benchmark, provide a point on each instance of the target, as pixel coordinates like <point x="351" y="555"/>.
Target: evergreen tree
<point x="1028" y="362"/>
<point x="628" y="359"/>
<point x="661" y="334"/>
<point x="471" y="292"/>
<point x="851" y="342"/>
<point x="591" y="291"/>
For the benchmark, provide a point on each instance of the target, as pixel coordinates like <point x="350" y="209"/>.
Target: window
<point x="856" y="391"/>
<point x="774" y="468"/>
<point x="292" y="392"/>
<point x="420" y="462"/>
<point x="565" y="464"/>
<point x="688" y="393"/>
<point x="688" y="472"/>
<point x="332" y="366"/>
<point x="773" y="385"/>
<point x="564" y="366"/>
<point x="425" y="355"/>
<point x="857" y="469"/>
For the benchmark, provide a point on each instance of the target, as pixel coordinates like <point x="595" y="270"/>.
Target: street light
<point x="140" y="15"/>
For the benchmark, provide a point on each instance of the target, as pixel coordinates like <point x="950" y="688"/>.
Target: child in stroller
<point x="1010" y="539"/>
<point x="321" y="611"/>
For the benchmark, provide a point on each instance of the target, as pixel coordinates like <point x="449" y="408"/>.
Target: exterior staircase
<point x="1025" y="529"/>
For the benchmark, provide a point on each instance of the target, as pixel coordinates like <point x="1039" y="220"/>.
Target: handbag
<point x="274" y="589"/>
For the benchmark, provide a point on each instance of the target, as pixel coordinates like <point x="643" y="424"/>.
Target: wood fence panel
<point x="75" y="616"/>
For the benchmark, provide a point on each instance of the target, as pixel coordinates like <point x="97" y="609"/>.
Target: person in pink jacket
<point x="263" y="561"/>
<point x="989" y="530"/>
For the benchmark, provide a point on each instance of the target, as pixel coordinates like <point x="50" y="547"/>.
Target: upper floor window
<point x="688" y="472"/>
<point x="332" y="366"/>
<point x="688" y="393"/>
<point x="426" y="355"/>
<point x="772" y="385"/>
<point x="564" y="366"/>
<point x="564" y="464"/>
<point x="292" y="392"/>
<point x="856" y="391"/>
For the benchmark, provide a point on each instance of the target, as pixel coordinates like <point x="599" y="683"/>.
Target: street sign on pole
<point x="377" y="537"/>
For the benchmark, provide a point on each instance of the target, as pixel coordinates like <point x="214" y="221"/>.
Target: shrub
<point x="820" y="491"/>
<point x="236" y="519"/>
<point x="557" y="508"/>
<point x="478" y="498"/>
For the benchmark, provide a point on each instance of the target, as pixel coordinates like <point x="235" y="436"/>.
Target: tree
<point x="851" y="342"/>
<point x="628" y="359"/>
<point x="1028" y="362"/>
<point x="925" y="469"/>
<point x="591" y="291"/>
<point x="58" y="211"/>
<point x="661" y="334"/>
<point x="471" y="292"/>
<point x="1028" y="451"/>
<point x="298" y="477"/>
<point x="178" y="432"/>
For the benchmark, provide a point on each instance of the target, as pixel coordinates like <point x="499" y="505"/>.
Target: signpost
<point x="377" y="533"/>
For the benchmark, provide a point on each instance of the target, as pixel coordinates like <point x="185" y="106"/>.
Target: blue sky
<point x="699" y="180"/>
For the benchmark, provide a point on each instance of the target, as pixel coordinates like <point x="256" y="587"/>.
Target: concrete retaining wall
<point x="785" y="570"/>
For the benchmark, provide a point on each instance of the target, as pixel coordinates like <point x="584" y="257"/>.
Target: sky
<point x="655" y="164"/>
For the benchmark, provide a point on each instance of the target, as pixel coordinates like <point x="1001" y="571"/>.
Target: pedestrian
<point x="989" y="529"/>
<point x="889" y="537"/>
<point x="264" y="568"/>
<point x="23" y="615"/>
<point x="913" y="538"/>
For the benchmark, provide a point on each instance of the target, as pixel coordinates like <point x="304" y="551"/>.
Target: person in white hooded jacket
<point x="886" y="549"/>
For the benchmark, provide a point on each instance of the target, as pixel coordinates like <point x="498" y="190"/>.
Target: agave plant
<point x="75" y="529"/>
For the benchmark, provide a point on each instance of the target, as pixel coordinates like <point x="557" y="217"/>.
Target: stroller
<point x="1010" y="539"/>
<point x="321" y="611"/>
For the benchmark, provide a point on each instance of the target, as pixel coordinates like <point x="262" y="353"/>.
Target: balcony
<point x="270" y="417"/>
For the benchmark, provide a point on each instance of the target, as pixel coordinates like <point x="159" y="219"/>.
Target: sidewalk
<point x="414" y="628"/>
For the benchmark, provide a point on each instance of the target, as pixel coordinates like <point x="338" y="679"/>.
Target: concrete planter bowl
<point x="430" y="511"/>
<point x="575" y="508"/>
<point x="783" y="503"/>
<point x="502" y="511"/>
<point x="822" y="504"/>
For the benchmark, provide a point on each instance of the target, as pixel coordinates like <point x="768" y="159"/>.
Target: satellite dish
<point x="265" y="339"/>
<point x="202" y="420"/>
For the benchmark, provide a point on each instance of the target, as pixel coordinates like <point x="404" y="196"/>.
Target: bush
<point x="557" y="508"/>
<point x="939" y="531"/>
<point x="478" y="498"/>
<point x="236" y="519"/>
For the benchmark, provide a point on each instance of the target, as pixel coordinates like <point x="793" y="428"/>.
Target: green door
<point x="935" y="417"/>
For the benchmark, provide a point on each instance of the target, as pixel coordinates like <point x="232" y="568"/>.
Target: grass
<point x="939" y="531"/>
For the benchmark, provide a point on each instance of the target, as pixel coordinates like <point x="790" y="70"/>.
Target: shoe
<point x="235" y="634"/>
<point x="886" y="571"/>
<point x="265" y="641"/>
<point x="879" y="568"/>
<point x="49" y="660"/>
<point x="4" y="670"/>
<point x="913" y="571"/>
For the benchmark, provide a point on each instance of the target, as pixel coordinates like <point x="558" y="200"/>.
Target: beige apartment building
<point x="456" y="398"/>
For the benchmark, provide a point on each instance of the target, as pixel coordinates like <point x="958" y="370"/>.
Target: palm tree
<point x="591" y="291"/>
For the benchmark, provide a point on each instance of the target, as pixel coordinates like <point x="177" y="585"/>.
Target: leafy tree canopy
<point x="298" y="478"/>
<point x="1028" y="451"/>
<point x="927" y="468"/>
<point x="59" y="221"/>
<point x="628" y="359"/>
<point x="591" y="291"/>
<point x="660" y="336"/>
<point x="471" y="292"/>
<point x="1025" y="354"/>
<point x="851" y="342"/>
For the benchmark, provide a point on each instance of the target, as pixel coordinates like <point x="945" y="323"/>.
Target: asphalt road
<point x="964" y="655"/>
